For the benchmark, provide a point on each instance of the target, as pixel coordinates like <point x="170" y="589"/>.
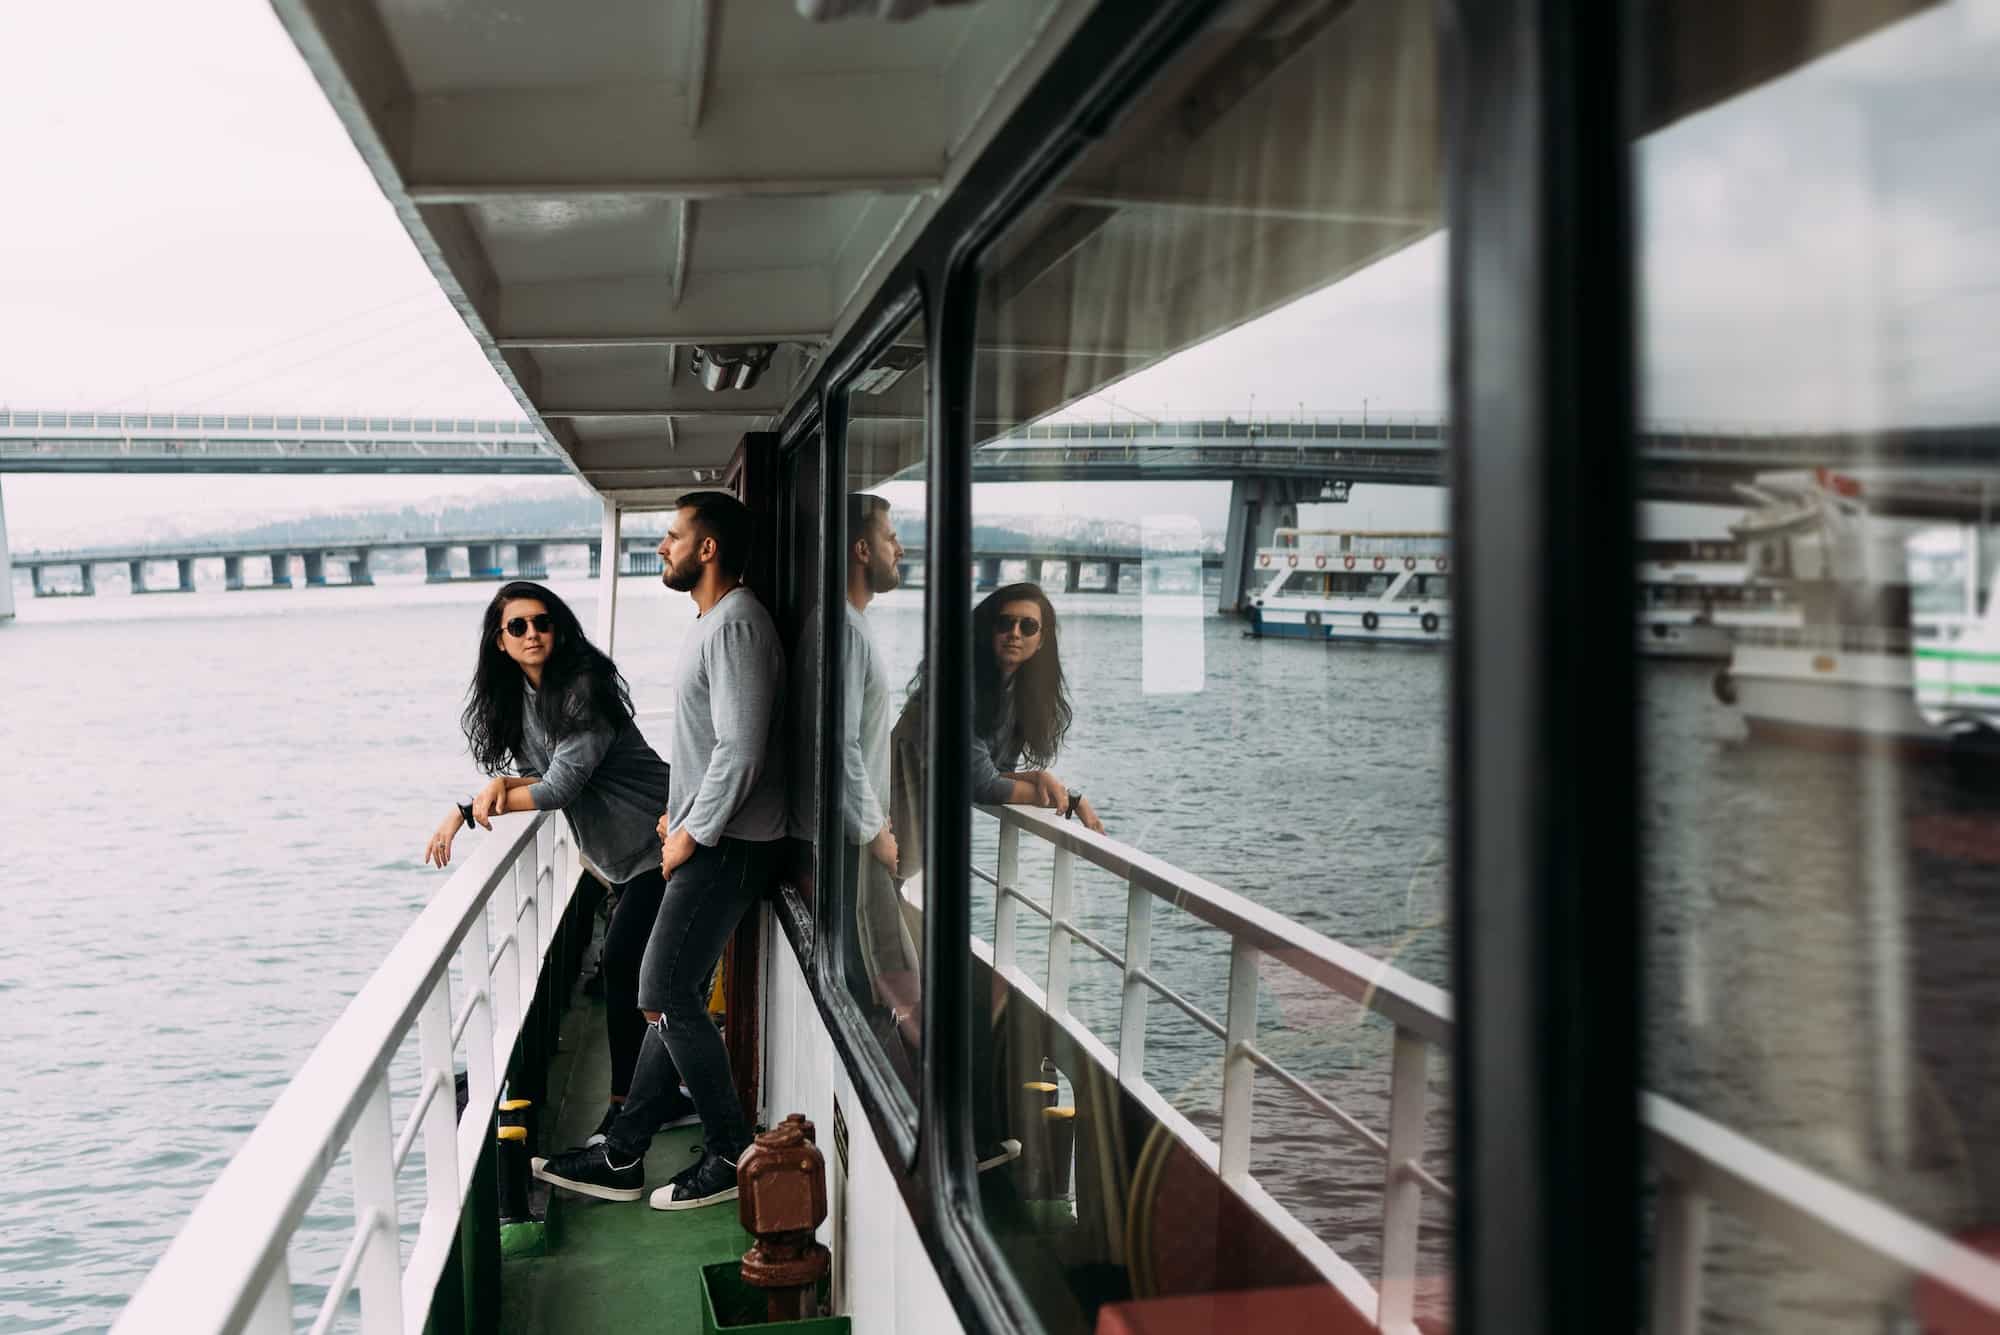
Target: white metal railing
<point x="227" y="1269"/>
<point x="1699" y="1161"/>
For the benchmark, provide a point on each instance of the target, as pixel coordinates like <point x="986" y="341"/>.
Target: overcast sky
<point x="186" y="226"/>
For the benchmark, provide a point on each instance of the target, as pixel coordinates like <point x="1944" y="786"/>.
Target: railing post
<point x="527" y="931"/>
<point x="1238" y="1071"/>
<point x="1680" y="1236"/>
<point x="506" y="974"/>
<point x="1008" y="874"/>
<point x="1138" y="959"/>
<point x="1402" y="1194"/>
<point x="1059" y="938"/>
<point x="372" y="1151"/>
<point x="482" y="1090"/>
<point x="441" y="1117"/>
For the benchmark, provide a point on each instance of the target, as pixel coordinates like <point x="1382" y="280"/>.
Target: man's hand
<point x="489" y="801"/>
<point x="883" y="846"/>
<point x="438" y="851"/>
<point x="675" y="849"/>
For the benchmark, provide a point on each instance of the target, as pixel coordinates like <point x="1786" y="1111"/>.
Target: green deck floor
<point x="614" y="1265"/>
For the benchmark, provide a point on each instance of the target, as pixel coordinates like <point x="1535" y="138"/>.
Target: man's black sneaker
<point x="709" y="1182"/>
<point x="593" y="1170"/>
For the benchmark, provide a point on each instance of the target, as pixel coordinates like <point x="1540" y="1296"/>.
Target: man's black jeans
<point x="705" y="898"/>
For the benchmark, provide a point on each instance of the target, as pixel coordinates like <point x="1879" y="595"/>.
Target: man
<point x="725" y="814"/>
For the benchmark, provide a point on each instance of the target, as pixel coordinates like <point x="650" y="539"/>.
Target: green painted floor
<point x="616" y="1266"/>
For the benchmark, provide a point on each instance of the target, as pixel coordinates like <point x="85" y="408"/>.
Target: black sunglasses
<point x="519" y="625"/>
<point x="1030" y="627"/>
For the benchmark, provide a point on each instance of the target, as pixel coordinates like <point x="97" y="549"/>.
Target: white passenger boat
<point x="1341" y="584"/>
<point x="730" y="243"/>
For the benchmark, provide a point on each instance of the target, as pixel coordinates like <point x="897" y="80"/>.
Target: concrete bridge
<point x="496" y="556"/>
<point x="487" y="556"/>
<point x="1065" y="569"/>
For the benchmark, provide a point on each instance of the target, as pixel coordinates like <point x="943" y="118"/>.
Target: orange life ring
<point x="1292" y="561"/>
<point x="1320" y="561"/>
<point x="1263" y="560"/>
<point x="1347" y="561"/>
<point x="1379" y="563"/>
<point x="1443" y="564"/>
<point x="1409" y="563"/>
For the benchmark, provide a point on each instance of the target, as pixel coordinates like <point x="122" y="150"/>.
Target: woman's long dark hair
<point x="580" y="684"/>
<point x="1041" y="695"/>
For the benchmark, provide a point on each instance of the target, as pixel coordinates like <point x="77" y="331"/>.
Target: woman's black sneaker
<point x="709" y="1182"/>
<point x="594" y="1170"/>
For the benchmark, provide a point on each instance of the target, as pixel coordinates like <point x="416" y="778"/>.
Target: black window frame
<point x="1545" y="865"/>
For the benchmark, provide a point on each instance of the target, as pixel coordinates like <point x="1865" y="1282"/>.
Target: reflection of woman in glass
<point x="1020" y="704"/>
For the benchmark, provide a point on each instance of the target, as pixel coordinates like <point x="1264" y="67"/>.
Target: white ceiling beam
<point x="683" y="245"/>
<point x="701" y="50"/>
<point x="871" y="132"/>
<point x="716" y="306"/>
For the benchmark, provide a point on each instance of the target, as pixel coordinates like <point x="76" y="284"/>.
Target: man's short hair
<point x="721" y="516"/>
<point x="861" y="507"/>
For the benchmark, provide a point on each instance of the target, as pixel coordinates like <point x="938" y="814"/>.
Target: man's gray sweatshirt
<point x="728" y="753"/>
<point x="610" y="784"/>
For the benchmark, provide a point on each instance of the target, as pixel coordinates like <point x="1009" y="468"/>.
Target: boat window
<point x="879" y="792"/>
<point x="1819" y="281"/>
<point x="1185" y="354"/>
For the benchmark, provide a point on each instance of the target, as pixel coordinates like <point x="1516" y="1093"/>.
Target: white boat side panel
<point x="889" y="1285"/>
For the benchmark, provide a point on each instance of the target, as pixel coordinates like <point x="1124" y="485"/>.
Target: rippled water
<point x="213" y="805"/>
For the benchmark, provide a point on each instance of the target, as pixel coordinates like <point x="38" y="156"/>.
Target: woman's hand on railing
<point x="1088" y="815"/>
<point x="438" y="851"/>
<point x="489" y="801"/>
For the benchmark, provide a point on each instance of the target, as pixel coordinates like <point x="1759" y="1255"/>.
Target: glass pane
<point x="1211" y="679"/>
<point x="881" y="782"/>
<point x="1819" y="237"/>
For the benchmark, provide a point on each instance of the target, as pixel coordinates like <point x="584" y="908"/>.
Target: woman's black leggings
<point x="624" y="946"/>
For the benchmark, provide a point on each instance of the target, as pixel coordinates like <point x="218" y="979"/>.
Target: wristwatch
<point x="1075" y="796"/>
<point x="465" y="810"/>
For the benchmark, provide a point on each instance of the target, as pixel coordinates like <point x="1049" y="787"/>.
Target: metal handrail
<point x="226" y="1270"/>
<point x="1699" y="1160"/>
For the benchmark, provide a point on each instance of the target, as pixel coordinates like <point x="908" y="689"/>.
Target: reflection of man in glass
<point x="883" y="959"/>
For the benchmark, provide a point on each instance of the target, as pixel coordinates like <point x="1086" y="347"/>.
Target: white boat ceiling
<point x="604" y="188"/>
<point x="601" y="188"/>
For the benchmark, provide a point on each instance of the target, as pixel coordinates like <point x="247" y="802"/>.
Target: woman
<point x="548" y="705"/>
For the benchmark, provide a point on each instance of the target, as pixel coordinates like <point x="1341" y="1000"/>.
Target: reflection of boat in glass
<point x="1340" y="584"/>
<point x="1694" y="596"/>
<point x="1865" y="590"/>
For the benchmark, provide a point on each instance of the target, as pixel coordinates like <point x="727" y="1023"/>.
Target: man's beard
<point x="682" y="578"/>
<point x="883" y="576"/>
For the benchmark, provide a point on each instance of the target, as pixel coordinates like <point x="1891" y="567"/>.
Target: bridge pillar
<point x="315" y="569"/>
<point x="138" y="575"/>
<point x="281" y="570"/>
<point x="232" y="572"/>
<point x="529" y="561"/>
<point x="437" y="565"/>
<point x="89" y="575"/>
<point x="482" y="560"/>
<point x="1075" y="576"/>
<point x="1111" y="573"/>
<point x="35" y="579"/>
<point x="186" y="564"/>
<point x="596" y="559"/>
<point x="7" y="570"/>
<point x="1258" y="508"/>
<point x="989" y="573"/>
<point x="358" y="571"/>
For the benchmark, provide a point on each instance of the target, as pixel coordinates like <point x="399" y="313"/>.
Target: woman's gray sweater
<point x="608" y="781"/>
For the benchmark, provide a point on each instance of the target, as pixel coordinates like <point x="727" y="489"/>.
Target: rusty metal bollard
<point x="781" y="1199"/>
